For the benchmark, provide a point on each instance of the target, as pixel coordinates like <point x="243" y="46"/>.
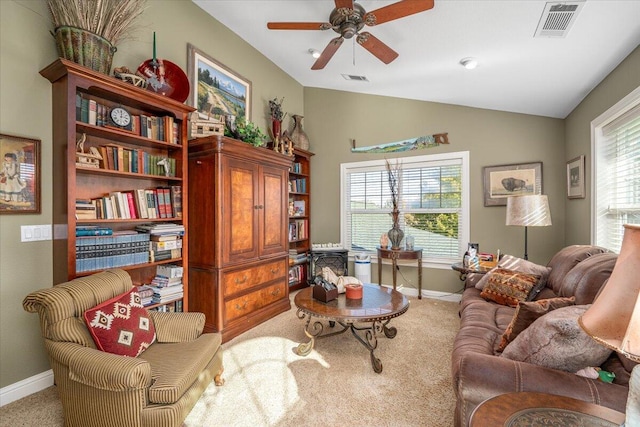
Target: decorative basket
<point x="85" y="48"/>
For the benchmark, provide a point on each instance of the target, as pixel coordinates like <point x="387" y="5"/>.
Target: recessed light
<point x="469" y="63"/>
<point x="314" y="53"/>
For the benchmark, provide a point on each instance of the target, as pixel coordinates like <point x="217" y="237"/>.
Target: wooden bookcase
<point x="72" y="83"/>
<point x="299" y="219"/>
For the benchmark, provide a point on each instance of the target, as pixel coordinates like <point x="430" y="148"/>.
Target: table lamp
<point x="528" y="211"/>
<point x="613" y="319"/>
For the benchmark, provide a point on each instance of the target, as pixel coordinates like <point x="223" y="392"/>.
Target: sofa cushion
<point x="528" y="312"/>
<point x="556" y="341"/>
<point x="523" y="266"/>
<point x="121" y="325"/>
<point x="508" y="287"/>
<point x="176" y="366"/>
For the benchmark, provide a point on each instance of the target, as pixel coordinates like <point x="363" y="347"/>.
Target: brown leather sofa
<point x="480" y="373"/>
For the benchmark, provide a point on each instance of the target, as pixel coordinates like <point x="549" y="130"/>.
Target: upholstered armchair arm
<point x="482" y="376"/>
<point x="99" y="369"/>
<point x="177" y="327"/>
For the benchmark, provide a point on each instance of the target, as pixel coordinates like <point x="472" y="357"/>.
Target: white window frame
<point x="464" y="231"/>
<point x="597" y="125"/>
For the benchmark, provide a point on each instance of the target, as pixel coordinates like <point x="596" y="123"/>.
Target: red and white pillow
<point x="121" y="325"/>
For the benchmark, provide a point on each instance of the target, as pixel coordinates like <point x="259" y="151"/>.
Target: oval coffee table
<point x="365" y="318"/>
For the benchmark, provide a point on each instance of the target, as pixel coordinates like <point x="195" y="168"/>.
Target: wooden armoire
<point x="238" y="264"/>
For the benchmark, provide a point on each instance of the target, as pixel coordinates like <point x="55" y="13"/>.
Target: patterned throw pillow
<point x="523" y="266"/>
<point x="527" y="312"/>
<point x="508" y="287"/>
<point x="121" y="325"/>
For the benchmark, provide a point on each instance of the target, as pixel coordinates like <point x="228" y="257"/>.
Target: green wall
<point x="26" y="47"/>
<point x="331" y="119"/>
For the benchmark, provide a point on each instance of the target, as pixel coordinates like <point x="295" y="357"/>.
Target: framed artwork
<point x="503" y="181"/>
<point x="20" y="175"/>
<point x="215" y="89"/>
<point x="575" y="178"/>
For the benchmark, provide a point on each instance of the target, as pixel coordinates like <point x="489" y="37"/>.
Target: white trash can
<point x="363" y="267"/>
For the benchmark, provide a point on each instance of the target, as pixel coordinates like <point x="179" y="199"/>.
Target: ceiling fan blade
<point x="298" y="25"/>
<point x="397" y="10"/>
<point x="327" y="53"/>
<point x="344" y="3"/>
<point x="380" y="50"/>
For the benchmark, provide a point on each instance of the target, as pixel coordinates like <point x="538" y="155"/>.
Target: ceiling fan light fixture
<point x="469" y="63"/>
<point x="314" y="53"/>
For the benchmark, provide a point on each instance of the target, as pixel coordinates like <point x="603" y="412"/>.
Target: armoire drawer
<point x="240" y="280"/>
<point x="249" y="303"/>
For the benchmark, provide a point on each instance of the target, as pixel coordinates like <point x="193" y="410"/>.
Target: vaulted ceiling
<point x="517" y="70"/>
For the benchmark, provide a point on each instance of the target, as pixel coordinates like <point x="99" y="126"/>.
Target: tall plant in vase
<point x="393" y="174"/>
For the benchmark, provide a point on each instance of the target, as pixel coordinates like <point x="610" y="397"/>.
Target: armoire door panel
<point x="274" y="212"/>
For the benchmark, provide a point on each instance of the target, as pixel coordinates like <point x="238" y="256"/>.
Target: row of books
<point x="110" y="251"/>
<point x="296" y="167"/>
<point x="297" y="273"/>
<point x="161" y="202"/>
<point x="134" y="160"/>
<point x="298" y="185"/>
<point x="173" y="307"/>
<point x="298" y="230"/>
<point x="297" y="258"/>
<point x="161" y="128"/>
<point x="166" y="230"/>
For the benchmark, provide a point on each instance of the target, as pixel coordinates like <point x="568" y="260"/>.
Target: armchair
<point x="157" y="388"/>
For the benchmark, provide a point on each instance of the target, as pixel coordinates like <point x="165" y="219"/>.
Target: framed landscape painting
<point x="215" y="89"/>
<point x="503" y="181"/>
<point x="20" y="175"/>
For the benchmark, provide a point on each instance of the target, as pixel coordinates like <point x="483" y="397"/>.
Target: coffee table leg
<point x="304" y="349"/>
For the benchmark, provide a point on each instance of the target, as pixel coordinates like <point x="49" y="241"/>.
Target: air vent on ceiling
<point x="356" y="78"/>
<point x="557" y="18"/>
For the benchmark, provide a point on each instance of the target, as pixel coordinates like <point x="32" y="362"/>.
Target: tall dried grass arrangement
<point x="393" y="175"/>
<point x="111" y="19"/>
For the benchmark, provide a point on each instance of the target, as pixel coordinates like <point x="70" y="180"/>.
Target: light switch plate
<point x="35" y="233"/>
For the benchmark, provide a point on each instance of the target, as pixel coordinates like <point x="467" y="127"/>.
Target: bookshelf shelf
<point x="300" y="221"/>
<point x="127" y="185"/>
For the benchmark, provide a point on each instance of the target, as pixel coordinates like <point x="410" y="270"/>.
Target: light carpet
<point x="267" y="384"/>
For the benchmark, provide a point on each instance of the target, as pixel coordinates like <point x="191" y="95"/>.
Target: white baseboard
<point x="24" y="388"/>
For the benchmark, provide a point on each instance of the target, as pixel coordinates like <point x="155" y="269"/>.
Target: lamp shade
<point x="528" y="211"/>
<point x="613" y="319"/>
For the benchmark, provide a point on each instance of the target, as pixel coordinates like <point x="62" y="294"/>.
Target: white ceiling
<point x="516" y="72"/>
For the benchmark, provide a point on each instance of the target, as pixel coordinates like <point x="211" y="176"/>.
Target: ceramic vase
<point x="276" y="126"/>
<point x="395" y="234"/>
<point x="298" y="135"/>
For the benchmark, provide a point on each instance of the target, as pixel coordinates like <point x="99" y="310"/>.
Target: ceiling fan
<point x="348" y="18"/>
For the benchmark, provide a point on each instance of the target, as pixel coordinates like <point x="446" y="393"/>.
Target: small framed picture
<point x="575" y="178"/>
<point x="19" y="175"/>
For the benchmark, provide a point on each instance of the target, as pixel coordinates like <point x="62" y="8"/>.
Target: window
<point x="616" y="171"/>
<point x="433" y="200"/>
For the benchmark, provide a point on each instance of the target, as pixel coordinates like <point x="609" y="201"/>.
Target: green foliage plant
<point x="248" y="132"/>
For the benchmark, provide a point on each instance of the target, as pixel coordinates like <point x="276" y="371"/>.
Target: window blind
<point x="617" y="180"/>
<point x="432" y="200"/>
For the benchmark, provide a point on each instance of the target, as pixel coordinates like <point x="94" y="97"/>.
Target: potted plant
<point x="245" y="131"/>
<point x="88" y="31"/>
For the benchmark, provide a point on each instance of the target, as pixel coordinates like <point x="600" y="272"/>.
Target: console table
<point x="394" y="255"/>
<point x="527" y="408"/>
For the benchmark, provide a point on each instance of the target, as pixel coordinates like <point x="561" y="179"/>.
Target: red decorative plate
<point x="166" y="78"/>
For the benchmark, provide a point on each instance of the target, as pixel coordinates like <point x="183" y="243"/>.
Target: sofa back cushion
<point x="585" y="280"/>
<point x="564" y="260"/>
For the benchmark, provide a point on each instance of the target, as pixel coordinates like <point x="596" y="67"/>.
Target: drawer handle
<point x="276" y="292"/>
<point x="244" y="279"/>
<point x="241" y="307"/>
<point x="275" y="270"/>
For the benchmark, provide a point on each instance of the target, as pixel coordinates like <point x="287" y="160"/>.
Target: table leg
<point x="379" y="271"/>
<point x="420" y="278"/>
<point x="394" y="265"/>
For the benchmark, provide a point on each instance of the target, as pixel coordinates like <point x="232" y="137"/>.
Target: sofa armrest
<point x="482" y="376"/>
<point x="177" y="327"/>
<point x="472" y="279"/>
<point x="99" y="369"/>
